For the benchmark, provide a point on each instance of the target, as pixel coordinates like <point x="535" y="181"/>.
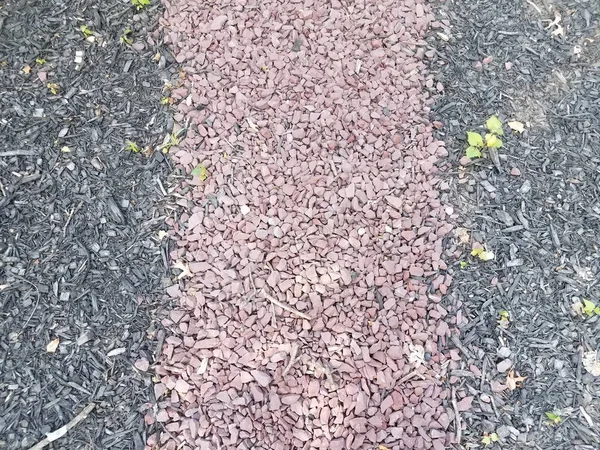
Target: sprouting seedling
<point x="489" y="439"/>
<point x="171" y="140"/>
<point x="201" y="172"/>
<point x="463" y="264"/>
<point x="553" y="418"/>
<point x="86" y="31"/>
<point x="132" y="147"/>
<point x="40" y="61"/>
<point x="140" y="4"/>
<point x="477" y="142"/>
<point x="53" y="88"/>
<point x="126" y="37"/>
<point x="504" y="319"/>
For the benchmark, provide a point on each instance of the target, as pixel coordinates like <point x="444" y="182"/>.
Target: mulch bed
<point x="81" y="260"/>
<point x="537" y="209"/>
<point x="309" y="255"/>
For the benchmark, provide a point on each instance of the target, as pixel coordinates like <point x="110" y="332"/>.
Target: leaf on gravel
<point x="463" y="235"/>
<point x="512" y="381"/>
<point x="185" y="269"/>
<point x="473" y="152"/>
<point x="489" y="439"/>
<point x="162" y="234"/>
<point x="492" y="141"/>
<point x="591" y="363"/>
<point x="417" y="354"/>
<point x="53" y="345"/>
<point x="474" y="139"/>
<point x="590" y="308"/>
<point x="483" y="254"/>
<point x="201" y="172"/>
<point x="519" y="127"/>
<point x="494" y="125"/>
<point x="27" y="70"/>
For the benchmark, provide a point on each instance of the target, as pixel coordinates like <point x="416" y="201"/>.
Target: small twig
<point x="535" y="6"/>
<point x="286" y="307"/>
<point x="293" y="360"/>
<point x="457" y="424"/>
<point x="53" y="436"/>
<point x="409" y="376"/>
<point x="17" y="153"/>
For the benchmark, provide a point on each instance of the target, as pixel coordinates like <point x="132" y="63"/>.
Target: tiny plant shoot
<point x="140" y="4"/>
<point x="477" y="143"/>
<point x="126" y="37"/>
<point x="86" y="31"/>
<point x="132" y="147"/>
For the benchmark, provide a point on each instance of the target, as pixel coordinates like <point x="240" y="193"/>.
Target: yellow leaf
<point x="27" y="70"/>
<point x="382" y="447"/>
<point x="65" y="149"/>
<point x="494" y="125"/>
<point x="516" y="126"/>
<point x="512" y="382"/>
<point x="483" y="254"/>
<point x="492" y="141"/>
<point x="53" y="345"/>
<point x="486" y="440"/>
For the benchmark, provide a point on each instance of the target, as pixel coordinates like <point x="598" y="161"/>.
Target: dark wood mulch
<point x="80" y="255"/>
<point x="543" y="225"/>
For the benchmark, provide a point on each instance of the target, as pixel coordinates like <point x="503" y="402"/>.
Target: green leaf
<point x="201" y="172"/>
<point x="474" y="139"/>
<point x="494" y="437"/>
<point x="492" y="141"/>
<point x="473" y="152"/>
<point x="463" y="264"/>
<point x="555" y="418"/>
<point x="486" y="440"/>
<point x="588" y="307"/>
<point x="494" y="125"/>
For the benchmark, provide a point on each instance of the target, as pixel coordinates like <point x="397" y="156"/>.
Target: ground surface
<point x="79" y="255"/>
<point x="309" y="208"/>
<point x="543" y="225"/>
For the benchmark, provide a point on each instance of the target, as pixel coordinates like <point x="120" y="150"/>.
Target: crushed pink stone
<point x="311" y="120"/>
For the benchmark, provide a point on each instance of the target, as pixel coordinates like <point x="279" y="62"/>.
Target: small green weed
<point x="201" y="172"/>
<point x="86" y="31"/>
<point x="140" y="4"/>
<point x="553" y="418"/>
<point x="477" y="143"/>
<point x="125" y="38"/>
<point x="489" y="439"/>
<point x="132" y="147"/>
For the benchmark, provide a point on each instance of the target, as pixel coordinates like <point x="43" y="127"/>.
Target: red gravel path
<point x="311" y="120"/>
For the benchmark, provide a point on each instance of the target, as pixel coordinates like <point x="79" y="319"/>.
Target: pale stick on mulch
<point x="57" y="434"/>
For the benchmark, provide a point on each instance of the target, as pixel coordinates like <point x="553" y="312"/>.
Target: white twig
<point x="535" y="6"/>
<point x="53" y="436"/>
<point x="286" y="307"/>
